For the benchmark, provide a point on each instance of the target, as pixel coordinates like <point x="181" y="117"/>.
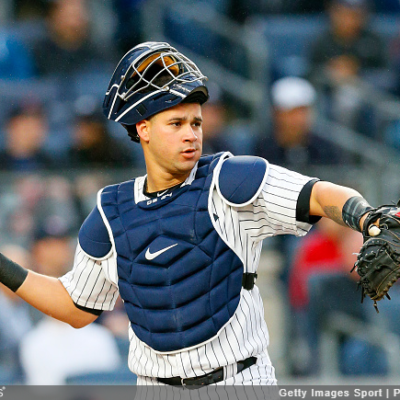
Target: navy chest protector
<point x="179" y="281"/>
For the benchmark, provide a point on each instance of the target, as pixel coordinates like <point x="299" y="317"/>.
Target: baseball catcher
<point x="378" y="262"/>
<point x="181" y="244"/>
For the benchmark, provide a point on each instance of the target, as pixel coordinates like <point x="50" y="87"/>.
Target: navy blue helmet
<point x="151" y="77"/>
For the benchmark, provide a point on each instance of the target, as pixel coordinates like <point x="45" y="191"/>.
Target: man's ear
<point x="142" y="129"/>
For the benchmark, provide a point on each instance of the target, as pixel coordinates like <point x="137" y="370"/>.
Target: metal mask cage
<point x="158" y="71"/>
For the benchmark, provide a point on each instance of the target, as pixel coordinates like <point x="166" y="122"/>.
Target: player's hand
<point x="378" y="263"/>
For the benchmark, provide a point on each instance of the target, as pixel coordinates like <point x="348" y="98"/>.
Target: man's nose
<point x="190" y="134"/>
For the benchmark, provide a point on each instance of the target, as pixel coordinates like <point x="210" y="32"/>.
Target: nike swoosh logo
<point x="151" y="256"/>
<point x="160" y="194"/>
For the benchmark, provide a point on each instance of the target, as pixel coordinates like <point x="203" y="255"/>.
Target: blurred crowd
<point x="57" y="150"/>
<point x="56" y="58"/>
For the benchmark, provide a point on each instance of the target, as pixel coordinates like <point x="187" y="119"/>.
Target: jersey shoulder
<point x="241" y="178"/>
<point x="93" y="236"/>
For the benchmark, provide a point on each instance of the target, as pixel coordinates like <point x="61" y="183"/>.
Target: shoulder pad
<point x="93" y="236"/>
<point x="241" y="179"/>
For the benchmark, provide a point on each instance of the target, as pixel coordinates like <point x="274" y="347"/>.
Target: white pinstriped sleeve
<point x="274" y="211"/>
<point x="90" y="283"/>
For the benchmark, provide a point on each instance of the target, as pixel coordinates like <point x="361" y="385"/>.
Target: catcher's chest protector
<point x="179" y="281"/>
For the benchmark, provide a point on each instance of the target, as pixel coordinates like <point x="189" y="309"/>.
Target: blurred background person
<point x="348" y="50"/>
<point x="53" y="351"/>
<point x="18" y="203"/>
<point x="16" y="320"/>
<point x="94" y="147"/>
<point x="293" y="143"/>
<point x="51" y="246"/>
<point x="321" y="288"/>
<point x="25" y="133"/>
<point x="67" y="46"/>
<point x="330" y="249"/>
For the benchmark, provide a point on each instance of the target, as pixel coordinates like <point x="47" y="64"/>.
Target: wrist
<point x="355" y="211"/>
<point x="12" y="275"/>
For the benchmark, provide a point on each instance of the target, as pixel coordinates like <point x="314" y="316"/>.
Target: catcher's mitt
<point x="378" y="262"/>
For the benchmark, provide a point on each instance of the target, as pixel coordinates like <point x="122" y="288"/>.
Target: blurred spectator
<point x="67" y="47"/>
<point x="52" y="351"/>
<point x="58" y="201"/>
<point x="16" y="319"/>
<point x="347" y="50"/>
<point x="26" y="130"/>
<point x="293" y="143"/>
<point x="324" y="260"/>
<point x="86" y="186"/>
<point x="327" y="250"/>
<point x="33" y="200"/>
<point x="93" y="146"/>
<point x="18" y="204"/>
<point x="348" y="47"/>
<point x="221" y="132"/>
<point x="52" y="250"/>
<point x="331" y="248"/>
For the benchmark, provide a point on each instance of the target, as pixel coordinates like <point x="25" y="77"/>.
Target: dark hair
<point x="28" y="108"/>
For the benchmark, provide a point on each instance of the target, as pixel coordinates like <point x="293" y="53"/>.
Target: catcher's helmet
<point x="151" y="77"/>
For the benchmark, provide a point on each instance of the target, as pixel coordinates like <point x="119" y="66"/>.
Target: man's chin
<point x="186" y="164"/>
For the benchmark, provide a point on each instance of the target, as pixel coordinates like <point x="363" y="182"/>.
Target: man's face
<point x="172" y="140"/>
<point x="347" y="22"/>
<point x="26" y="134"/>
<point x="292" y="126"/>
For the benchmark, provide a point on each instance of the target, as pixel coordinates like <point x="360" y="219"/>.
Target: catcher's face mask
<point x="150" y="78"/>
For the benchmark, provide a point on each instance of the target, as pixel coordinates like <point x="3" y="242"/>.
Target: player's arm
<point x="341" y="204"/>
<point x="45" y="293"/>
<point x="48" y="295"/>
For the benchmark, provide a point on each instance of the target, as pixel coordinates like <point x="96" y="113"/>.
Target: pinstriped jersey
<point x="94" y="283"/>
